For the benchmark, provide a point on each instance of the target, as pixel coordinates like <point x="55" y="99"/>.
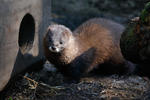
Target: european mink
<point x="93" y="43"/>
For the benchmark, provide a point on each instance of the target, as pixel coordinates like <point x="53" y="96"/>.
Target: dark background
<point x="73" y="12"/>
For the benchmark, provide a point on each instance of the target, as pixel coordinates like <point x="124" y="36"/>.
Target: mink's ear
<point x="48" y="32"/>
<point x="66" y="33"/>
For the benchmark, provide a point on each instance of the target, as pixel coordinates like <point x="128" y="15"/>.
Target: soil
<point x="49" y="84"/>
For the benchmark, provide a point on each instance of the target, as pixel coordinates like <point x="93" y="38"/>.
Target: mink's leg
<point x="79" y="66"/>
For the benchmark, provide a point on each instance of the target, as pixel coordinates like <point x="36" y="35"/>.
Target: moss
<point x="10" y="98"/>
<point x="129" y="43"/>
<point x="129" y="36"/>
<point x="134" y="35"/>
<point x="145" y="14"/>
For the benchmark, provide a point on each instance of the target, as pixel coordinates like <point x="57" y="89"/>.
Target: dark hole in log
<point x="26" y="33"/>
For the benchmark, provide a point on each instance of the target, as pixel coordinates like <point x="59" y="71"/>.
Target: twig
<point x="43" y="84"/>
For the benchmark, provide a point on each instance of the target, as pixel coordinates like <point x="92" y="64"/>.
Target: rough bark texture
<point x="135" y="41"/>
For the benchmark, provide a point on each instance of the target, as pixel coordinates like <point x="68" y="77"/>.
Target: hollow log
<point x="22" y="26"/>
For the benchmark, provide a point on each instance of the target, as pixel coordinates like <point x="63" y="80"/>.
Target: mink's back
<point x="88" y="27"/>
<point x="103" y="35"/>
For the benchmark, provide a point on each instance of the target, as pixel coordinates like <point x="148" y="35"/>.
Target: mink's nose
<point x="53" y="48"/>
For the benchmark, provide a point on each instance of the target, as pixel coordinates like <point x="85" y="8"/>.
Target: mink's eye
<point x="50" y="40"/>
<point x="61" y="42"/>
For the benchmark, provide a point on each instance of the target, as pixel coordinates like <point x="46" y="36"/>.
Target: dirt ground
<point x="49" y="84"/>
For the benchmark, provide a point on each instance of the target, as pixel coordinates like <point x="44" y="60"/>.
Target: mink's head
<point x="57" y="38"/>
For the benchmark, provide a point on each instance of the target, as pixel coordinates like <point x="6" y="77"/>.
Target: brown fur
<point x="94" y="42"/>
